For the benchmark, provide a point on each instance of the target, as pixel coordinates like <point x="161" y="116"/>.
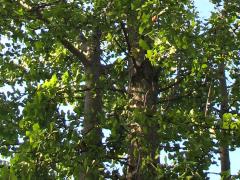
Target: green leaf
<point x="28" y="133"/>
<point x="141" y="29"/>
<point x="145" y="18"/>
<point x="204" y="66"/>
<point x="149" y="54"/>
<point x="143" y="44"/>
<point x="36" y="127"/>
<point x="39" y="45"/>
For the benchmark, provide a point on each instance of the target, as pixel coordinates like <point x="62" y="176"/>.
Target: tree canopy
<point x="96" y="89"/>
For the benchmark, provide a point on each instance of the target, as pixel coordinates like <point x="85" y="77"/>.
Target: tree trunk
<point x="92" y="133"/>
<point x="224" y="147"/>
<point x="143" y="91"/>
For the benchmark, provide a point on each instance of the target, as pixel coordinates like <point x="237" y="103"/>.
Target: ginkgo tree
<point x="98" y="89"/>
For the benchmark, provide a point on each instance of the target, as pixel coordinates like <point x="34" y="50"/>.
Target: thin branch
<point x="208" y="100"/>
<point x="69" y="46"/>
<point x="74" y="51"/>
<point x="125" y="33"/>
<point x="179" y="80"/>
<point x="126" y="36"/>
<point x="188" y="95"/>
<point x="45" y="5"/>
<point x="119" y="45"/>
<point x="215" y="173"/>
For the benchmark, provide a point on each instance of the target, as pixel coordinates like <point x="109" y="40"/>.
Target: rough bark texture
<point x="93" y="99"/>
<point x="224" y="149"/>
<point x="143" y="92"/>
<point x="92" y="107"/>
<point x="143" y="80"/>
<point x="92" y="133"/>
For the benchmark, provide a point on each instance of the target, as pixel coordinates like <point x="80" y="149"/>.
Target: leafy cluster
<point x="90" y="88"/>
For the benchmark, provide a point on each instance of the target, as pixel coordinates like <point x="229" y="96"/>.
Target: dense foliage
<point x="119" y="89"/>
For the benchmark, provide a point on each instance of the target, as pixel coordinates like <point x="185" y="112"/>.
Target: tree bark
<point x="224" y="147"/>
<point x="143" y="92"/>
<point x="92" y="132"/>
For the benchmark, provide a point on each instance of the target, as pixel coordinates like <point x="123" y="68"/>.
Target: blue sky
<point x="205" y="7"/>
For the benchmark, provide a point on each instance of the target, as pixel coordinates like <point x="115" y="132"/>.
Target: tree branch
<point x="179" y="80"/>
<point x="125" y="33"/>
<point x="68" y="45"/>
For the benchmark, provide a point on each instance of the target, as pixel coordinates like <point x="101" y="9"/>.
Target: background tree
<point x="149" y="74"/>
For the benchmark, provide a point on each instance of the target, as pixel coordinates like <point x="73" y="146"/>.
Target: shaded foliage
<point x="99" y="89"/>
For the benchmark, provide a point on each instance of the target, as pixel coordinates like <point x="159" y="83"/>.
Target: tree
<point x="148" y="72"/>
